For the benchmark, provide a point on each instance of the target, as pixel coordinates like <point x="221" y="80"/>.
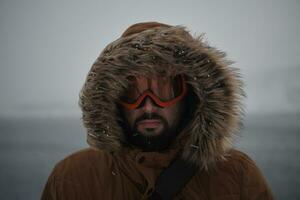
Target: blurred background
<point x="47" y="48"/>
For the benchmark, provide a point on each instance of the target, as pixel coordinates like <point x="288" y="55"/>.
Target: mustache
<point x="149" y="116"/>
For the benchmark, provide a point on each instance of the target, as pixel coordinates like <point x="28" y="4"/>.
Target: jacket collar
<point x="158" y="159"/>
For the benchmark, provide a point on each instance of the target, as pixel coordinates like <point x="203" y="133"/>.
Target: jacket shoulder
<point x="85" y="159"/>
<point x="253" y="183"/>
<point x="77" y="175"/>
<point x="239" y="159"/>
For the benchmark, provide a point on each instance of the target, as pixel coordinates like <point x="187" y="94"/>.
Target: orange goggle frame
<point x="155" y="98"/>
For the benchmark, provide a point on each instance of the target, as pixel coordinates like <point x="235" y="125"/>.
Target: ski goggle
<point x="164" y="91"/>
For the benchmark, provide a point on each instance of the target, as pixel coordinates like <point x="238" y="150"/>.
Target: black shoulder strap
<point x="173" y="179"/>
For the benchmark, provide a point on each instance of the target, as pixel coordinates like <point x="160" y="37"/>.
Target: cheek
<point x="129" y="116"/>
<point x="173" y="114"/>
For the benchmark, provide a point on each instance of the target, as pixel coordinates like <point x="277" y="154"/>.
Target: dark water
<point x="31" y="147"/>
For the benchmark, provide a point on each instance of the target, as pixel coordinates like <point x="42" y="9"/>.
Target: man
<point x="156" y="97"/>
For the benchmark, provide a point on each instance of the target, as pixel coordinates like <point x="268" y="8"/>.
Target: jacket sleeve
<point x="60" y="186"/>
<point x="254" y="185"/>
<point x="49" y="192"/>
<point x="82" y="175"/>
<point x="62" y="189"/>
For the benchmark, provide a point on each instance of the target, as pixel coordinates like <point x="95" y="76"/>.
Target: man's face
<point x="151" y="120"/>
<point x="150" y="125"/>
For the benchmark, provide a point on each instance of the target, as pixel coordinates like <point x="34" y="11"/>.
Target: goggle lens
<point x="163" y="90"/>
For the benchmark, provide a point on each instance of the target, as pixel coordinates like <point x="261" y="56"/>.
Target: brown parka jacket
<point x="114" y="169"/>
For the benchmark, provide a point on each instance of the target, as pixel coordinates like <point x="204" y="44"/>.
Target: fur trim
<point x="171" y="50"/>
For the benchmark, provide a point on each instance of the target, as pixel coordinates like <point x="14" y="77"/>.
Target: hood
<point x="170" y="50"/>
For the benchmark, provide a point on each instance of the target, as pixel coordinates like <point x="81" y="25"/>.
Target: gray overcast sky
<point x="47" y="47"/>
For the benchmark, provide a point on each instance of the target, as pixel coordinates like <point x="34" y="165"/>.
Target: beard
<point x="147" y="140"/>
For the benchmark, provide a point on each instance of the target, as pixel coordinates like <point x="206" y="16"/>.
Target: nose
<point x="149" y="105"/>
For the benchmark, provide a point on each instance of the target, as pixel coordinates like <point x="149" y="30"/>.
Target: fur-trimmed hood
<point x="170" y="50"/>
